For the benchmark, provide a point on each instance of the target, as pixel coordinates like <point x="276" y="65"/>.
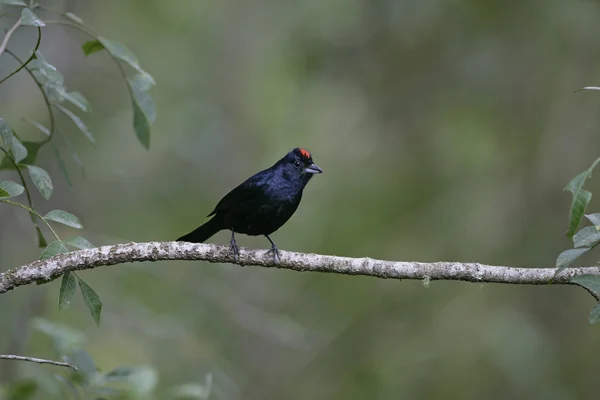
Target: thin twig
<point x="46" y="270"/>
<point x="46" y="99"/>
<point x="33" y="212"/>
<point x="38" y="361"/>
<point x="31" y="57"/>
<point x="8" y="35"/>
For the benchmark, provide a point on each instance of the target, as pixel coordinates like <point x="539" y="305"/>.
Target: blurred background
<point x="446" y="130"/>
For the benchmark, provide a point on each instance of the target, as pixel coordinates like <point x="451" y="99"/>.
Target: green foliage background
<point x="446" y="131"/>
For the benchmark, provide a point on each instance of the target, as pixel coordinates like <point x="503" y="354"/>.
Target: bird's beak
<point x="313" y="169"/>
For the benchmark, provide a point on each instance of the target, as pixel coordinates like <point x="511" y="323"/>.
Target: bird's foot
<point x="275" y="252"/>
<point x="234" y="249"/>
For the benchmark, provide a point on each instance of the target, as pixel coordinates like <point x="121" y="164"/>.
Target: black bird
<point x="261" y="204"/>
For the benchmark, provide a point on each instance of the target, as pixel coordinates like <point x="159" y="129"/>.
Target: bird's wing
<point x="242" y="196"/>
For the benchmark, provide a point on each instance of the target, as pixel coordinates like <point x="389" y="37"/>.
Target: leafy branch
<point x="21" y="155"/>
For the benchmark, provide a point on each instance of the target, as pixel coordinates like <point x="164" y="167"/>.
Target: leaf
<point x="567" y="257"/>
<point x="41" y="127"/>
<point x="142" y="81"/>
<point x="54" y="248"/>
<point x="77" y="121"/>
<point x="74" y="154"/>
<point x="68" y="287"/>
<point x="119" y="374"/>
<point x="580" y="201"/>
<point x="78" y="100"/>
<point x="64" y="218"/>
<point x="120" y="52"/>
<point x="79" y="242"/>
<point x="63" y="166"/>
<point x="4" y="193"/>
<point x="588" y="281"/>
<point x="41" y="239"/>
<point x="46" y="73"/>
<point x="587" y="237"/>
<point x="144" y="109"/>
<point x="11" y="143"/>
<point x="13" y="2"/>
<point x="84" y="362"/>
<point x="144" y="380"/>
<point x="74" y="18"/>
<point x="92" y="46"/>
<point x="32" y="149"/>
<point x="595" y="314"/>
<point x="581" y="198"/>
<point x="65" y="338"/>
<point x="41" y="180"/>
<point x="594" y="218"/>
<point x="91" y="299"/>
<point x="29" y="18"/>
<point x="12" y="188"/>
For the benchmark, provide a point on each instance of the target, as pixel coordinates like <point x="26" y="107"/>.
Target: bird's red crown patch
<point x="304" y="153"/>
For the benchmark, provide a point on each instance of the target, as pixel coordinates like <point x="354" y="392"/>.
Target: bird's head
<point x="301" y="161"/>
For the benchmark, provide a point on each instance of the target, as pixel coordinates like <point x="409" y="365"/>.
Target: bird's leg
<point x="273" y="250"/>
<point x="233" y="247"/>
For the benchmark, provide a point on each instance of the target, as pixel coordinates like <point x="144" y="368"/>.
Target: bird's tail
<point x="204" y="232"/>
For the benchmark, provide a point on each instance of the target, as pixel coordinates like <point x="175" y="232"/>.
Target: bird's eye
<point x="297" y="164"/>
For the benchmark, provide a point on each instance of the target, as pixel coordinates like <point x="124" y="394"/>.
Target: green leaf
<point x="41" y="239"/>
<point x="77" y="121"/>
<point x="567" y="257"/>
<point x="82" y="360"/>
<point x="91" y="299"/>
<point x="4" y="193"/>
<point x="119" y="374"/>
<point x="64" y="218"/>
<point x="13" y="2"/>
<point x="68" y="287"/>
<point x="144" y="109"/>
<point x="54" y="248"/>
<point x="65" y="338"/>
<point x="12" y="188"/>
<point x="74" y="18"/>
<point x="46" y="73"/>
<point x="581" y="198"/>
<point x="41" y="127"/>
<point x="41" y="180"/>
<point x="595" y="314"/>
<point x="594" y="218"/>
<point x="120" y="52"/>
<point x="11" y="143"/>
<point x="587" y="237"/>
<point x="78" y="100"/>
<point x="142" y="81"/>
<point x="32" y="151"/>
<point x="29" y="18"/>
<point x="92" y="46"/>
<point x="580" y="201"/>
<point x="63" y="166"/>
<point x="79" y="242"/>
<point x="74" y="154"/>
<point x="588" y="281"/>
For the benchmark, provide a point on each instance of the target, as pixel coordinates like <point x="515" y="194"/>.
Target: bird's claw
<point x="275" y="252"/>
<point x="234" y="249"/>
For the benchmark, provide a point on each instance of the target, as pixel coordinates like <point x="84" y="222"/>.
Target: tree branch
<point x="38" y="360"/>
<point x="46" y="270"/>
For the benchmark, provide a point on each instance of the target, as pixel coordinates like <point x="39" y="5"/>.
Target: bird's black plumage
<point x="262" y="203"/>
